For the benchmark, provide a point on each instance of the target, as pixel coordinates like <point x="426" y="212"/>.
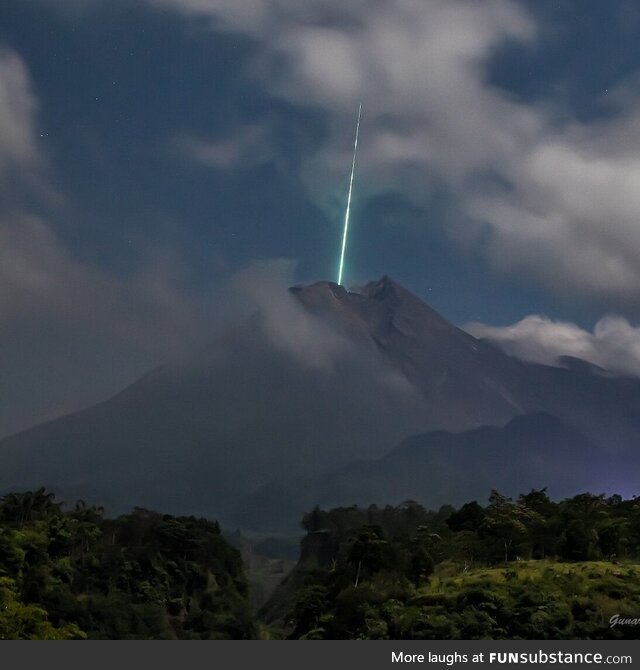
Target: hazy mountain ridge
<point x="531" y="451"/>
<point x="469" y="464"/>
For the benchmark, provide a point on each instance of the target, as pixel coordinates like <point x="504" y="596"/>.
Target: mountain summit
<point x="325" y="378"/>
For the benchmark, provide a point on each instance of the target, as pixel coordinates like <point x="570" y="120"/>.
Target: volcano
<point x="291" y="398"/>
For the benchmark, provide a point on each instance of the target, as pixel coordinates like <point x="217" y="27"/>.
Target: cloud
<point x="18" y="107"/>
<point x="312" y="343"/>
<point x="23" y="164"/>
<point x="247" y="146"/>
<point x="614" y="344"/>
<point x="287" y="325"/>
<point x="40" y="275"/>
<point x="554" y="200"/>
<point x="570" y="217"/>
<point x="61" y="317"/>
<point x="73" y="334"/>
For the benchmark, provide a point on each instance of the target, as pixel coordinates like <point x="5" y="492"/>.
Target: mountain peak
<point x="378" y="304"/>
<point x="383" y="290"/>
<point x="384" y="286"/>
<point x="323" y="286"/>
<point x="388" y="290"/>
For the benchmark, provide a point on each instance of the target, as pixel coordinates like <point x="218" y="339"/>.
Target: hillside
<point x="534" y="600"/>
<point x="528" y="568"/>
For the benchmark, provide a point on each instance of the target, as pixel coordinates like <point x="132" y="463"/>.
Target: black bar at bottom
<point x="323" y="655"/>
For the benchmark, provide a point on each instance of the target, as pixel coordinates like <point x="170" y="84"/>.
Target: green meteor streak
<point x="346" y="218"/>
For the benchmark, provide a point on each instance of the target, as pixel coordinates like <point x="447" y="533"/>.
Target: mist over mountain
<point x="305" y="401"/>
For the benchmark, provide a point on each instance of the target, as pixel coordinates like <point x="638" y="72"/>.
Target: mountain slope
<point x="321" y="377"/>
<point x="467" y="382"/>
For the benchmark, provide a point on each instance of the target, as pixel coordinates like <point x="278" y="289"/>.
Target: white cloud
<point x="18" y="107"/>
<point x="557" y="202"/>
<point x="286" y="323"/>
<point x="247" y="146"/>
<point x="572" y="216"/>
<point x="614" y="344"/>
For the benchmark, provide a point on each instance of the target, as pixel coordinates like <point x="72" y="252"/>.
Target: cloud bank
<point x="614" y="344"/>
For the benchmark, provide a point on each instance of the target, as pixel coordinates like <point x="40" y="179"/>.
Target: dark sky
<point x="152" y="149"/>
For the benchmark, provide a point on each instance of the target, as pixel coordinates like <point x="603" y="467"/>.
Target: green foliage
<point x="530" y="568"/>
<point x="28" y="622"/>
<point x="74" y="574"/>
<point x="526" y="568"/>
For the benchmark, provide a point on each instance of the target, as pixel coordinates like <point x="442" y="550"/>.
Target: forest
<point x="74" y="574"/>
<point x="530" y="568"/>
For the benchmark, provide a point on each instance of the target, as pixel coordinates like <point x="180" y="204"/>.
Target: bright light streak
<point x="346" y="217"/>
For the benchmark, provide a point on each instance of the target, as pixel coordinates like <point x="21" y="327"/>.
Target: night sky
<point x="151" y="150"/>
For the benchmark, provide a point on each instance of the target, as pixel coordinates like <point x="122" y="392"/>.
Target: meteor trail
<point x="346" y="218"/>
